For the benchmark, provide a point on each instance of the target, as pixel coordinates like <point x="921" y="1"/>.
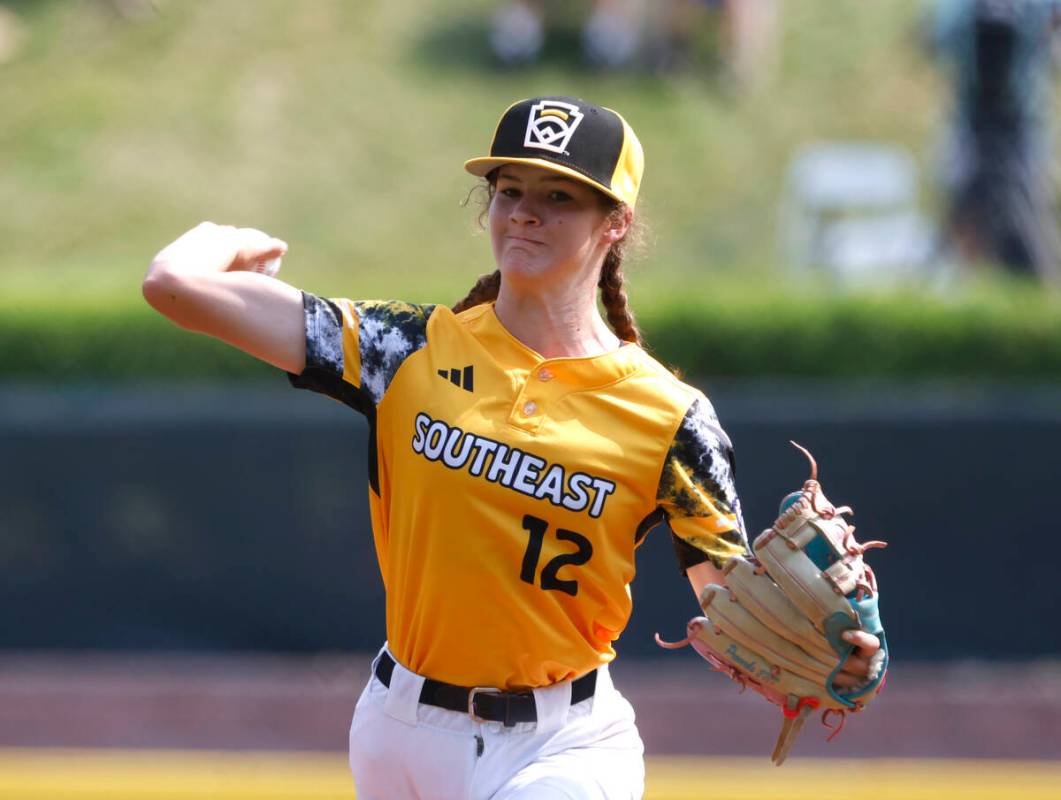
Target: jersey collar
<point x="584" y="371"/>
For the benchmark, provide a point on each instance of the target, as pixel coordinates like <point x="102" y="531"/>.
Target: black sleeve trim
<point x="648" y="523"/>
<point x="319" y="380"/>
<point x="323" y="326"/>
<point x="687" y="555"/>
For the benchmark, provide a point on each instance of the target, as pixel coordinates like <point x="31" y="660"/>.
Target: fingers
<point x="854" y="673"/>
<point x="227" y="247"/>
<point x="845" y="681"/>
<point x="856" y="668"/>
<point x="866" y="644"/>
<point x="205" y="248"/>
<point x="255" y="246"/>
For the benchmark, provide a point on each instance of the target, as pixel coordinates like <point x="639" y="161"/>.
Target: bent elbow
<point x="154" y="287"/>
<point x="158" y="288"/>
<point x="162" y="290"/>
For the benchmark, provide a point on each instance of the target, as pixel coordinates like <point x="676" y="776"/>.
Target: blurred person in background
<point x="610" y="34"/>
<point x="618" y="34"/>
<point x="12" y="34"/>
<point x="998" y="171"/>
<point x="747" y="36"/>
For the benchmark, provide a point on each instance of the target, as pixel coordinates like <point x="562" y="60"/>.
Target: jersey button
<point x="544" y="374"/>
<point x="529" y="408"/>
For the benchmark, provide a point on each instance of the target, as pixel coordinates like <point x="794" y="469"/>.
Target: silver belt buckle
<point x="471" y="701"/>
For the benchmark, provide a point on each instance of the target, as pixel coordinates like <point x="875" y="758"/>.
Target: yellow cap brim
<point x="483" y="166"/>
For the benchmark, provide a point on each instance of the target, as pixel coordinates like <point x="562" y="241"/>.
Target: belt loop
<point x="403" y="696"/>
<point x="603" y="687"/>
<point x="553" y="704"/>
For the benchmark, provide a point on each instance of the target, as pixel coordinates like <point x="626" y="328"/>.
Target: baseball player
<point x="521" y="449"/>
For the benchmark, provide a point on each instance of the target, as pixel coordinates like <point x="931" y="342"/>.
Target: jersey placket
<point x="544" y="387"/>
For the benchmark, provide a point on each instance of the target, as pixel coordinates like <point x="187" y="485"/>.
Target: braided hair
<point x="484" y="291"/>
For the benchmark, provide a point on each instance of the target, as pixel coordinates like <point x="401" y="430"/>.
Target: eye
<point x="559" y="196"/>
<point x="509" y="191"/>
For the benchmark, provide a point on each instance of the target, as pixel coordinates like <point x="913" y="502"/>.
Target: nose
<point x="525" y="212"/>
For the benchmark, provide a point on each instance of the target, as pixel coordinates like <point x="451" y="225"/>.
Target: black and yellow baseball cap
<point x="589" y="143"/>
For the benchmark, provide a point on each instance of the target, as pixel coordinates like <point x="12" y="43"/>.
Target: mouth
<point x="523" y="240"/>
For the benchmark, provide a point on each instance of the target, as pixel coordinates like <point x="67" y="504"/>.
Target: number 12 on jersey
<point x="538" y="528"/>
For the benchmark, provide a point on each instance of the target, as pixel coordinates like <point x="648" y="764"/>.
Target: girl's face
<point x="546" y="228"/>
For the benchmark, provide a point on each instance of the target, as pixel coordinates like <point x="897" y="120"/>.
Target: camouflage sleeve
<point x="354" y="348"/>
<point x="696" y="490"/>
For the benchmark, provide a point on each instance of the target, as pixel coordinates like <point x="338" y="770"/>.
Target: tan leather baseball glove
<point x="777" y="624"/>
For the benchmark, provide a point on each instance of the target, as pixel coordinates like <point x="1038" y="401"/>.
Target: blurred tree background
<point x="341" y="127"/>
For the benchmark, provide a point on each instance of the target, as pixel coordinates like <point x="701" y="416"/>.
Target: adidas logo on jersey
<point x="464" y="378"/>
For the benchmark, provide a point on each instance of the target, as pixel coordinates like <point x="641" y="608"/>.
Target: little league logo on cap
<point x="585" y="142"/>
<point x="551" y="125"/>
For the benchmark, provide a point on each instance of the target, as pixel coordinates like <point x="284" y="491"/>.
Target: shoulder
<point x="468" y="319"/>
<point x="388" y="332"/>
<point x="697" y="431"/>
<point x="670" y="390"/>
<point x="700" y="452"/>
<point x="700" y="435"/>
<point x="391" y="328"/>
<point x="410" y="318"/>
<point x="373" y="315"/>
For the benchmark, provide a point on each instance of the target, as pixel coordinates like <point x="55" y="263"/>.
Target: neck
<point x="556" y="326"/>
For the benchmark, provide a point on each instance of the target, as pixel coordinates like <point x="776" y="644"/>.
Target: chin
<point x="520" y="271"/>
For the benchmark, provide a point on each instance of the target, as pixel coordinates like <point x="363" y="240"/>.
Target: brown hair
<point x="613" y="295"/>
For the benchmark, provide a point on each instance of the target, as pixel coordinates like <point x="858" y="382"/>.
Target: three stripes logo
<point x="551" y="125"/>
<point x="462" y="378"/>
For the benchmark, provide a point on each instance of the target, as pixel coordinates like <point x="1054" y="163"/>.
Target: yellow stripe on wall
<point x="40" y="774"/>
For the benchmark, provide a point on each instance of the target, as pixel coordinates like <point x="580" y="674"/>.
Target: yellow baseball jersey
<point x="509" y="491"/>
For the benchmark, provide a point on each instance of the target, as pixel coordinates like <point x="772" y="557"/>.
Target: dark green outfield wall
<point x="219" y="518"/>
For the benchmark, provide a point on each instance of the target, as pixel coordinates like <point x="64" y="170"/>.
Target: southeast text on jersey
<point x="510" y="467"/>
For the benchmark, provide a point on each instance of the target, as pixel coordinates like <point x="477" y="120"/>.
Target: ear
<point x="616" y="225"/>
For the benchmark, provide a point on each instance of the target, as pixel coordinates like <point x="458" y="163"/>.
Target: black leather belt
<point x="485" y="705"/>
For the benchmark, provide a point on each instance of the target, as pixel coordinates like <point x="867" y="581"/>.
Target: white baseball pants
<point x="402" y="749"/>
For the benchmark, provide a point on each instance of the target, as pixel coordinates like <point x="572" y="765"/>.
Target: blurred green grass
<point x="342" y="128"/>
